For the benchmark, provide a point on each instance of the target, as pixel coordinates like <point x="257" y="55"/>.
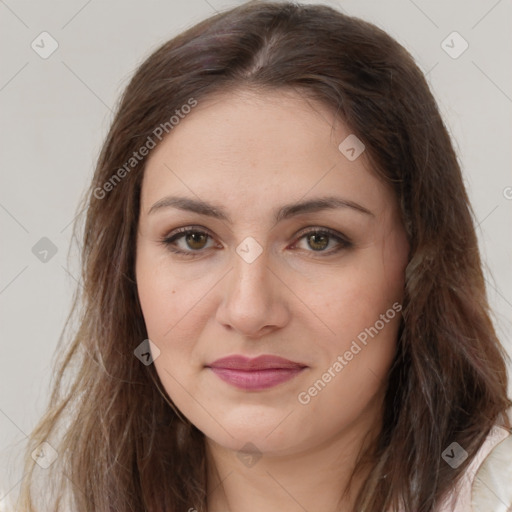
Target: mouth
<point x="255" y="374"/>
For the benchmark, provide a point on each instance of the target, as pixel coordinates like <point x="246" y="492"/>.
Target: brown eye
<point x="318" y="241"/>
<point x="196" y="240"/>
<point x="188" y="242"/>
<point x="322" y="241"/>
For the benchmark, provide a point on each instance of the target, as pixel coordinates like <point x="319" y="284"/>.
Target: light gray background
<point x="56" y="112"/>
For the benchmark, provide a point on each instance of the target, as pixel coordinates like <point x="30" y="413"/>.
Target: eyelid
<point x="321" y="229"/>
<point x="186" y="229"/>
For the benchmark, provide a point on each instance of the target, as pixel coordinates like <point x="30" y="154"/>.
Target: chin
<point x="262" y="436"/>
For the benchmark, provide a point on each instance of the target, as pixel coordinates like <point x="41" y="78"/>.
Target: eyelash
<point x="168" y="241"/>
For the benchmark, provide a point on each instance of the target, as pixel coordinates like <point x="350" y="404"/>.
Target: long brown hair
<point x="122" y="446"/>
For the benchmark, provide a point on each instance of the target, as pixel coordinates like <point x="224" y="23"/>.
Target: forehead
<point x="263" y="145"/>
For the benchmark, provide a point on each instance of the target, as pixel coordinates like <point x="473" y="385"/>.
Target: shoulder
<point x="486" y="484"/>
<point x="492" y="483"/>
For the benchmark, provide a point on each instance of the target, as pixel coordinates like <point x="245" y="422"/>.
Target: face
<point x="262" y="242"/>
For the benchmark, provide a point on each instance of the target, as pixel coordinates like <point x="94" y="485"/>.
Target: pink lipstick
<point x="262" y="372"/>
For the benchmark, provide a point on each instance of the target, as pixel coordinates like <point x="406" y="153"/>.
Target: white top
<point x="486" y="486"/>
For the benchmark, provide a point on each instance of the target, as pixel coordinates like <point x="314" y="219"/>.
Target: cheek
<point x="355" y="297"/>
<point x="362" y="306"/>
<point x="169" y="299"/>
<point x="176" y="310"/>
<point x="363" y="319"/>
<point x="170" y="310"/>
<point x="157" y="299"/>
<point x="355" y="361"/>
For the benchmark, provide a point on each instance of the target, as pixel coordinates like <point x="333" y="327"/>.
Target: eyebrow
<point x="285" y="212"/>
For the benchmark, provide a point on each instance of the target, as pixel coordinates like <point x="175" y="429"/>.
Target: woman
<point x="283" y="306"/>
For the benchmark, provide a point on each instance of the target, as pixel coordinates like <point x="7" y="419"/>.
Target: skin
<point x="250" y="153"/>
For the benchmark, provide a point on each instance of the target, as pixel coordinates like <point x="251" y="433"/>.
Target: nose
<point x="254" y="299"/>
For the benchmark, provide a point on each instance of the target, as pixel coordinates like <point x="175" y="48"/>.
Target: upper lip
<point x="264" y="362"/>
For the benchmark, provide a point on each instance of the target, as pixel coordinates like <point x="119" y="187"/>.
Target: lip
<point x="258" y="373"/>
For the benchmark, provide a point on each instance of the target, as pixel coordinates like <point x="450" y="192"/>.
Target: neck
<point x="319" y="477"/>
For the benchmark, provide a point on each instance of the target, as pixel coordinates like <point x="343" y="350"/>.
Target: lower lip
<point x="256" y="379"/>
